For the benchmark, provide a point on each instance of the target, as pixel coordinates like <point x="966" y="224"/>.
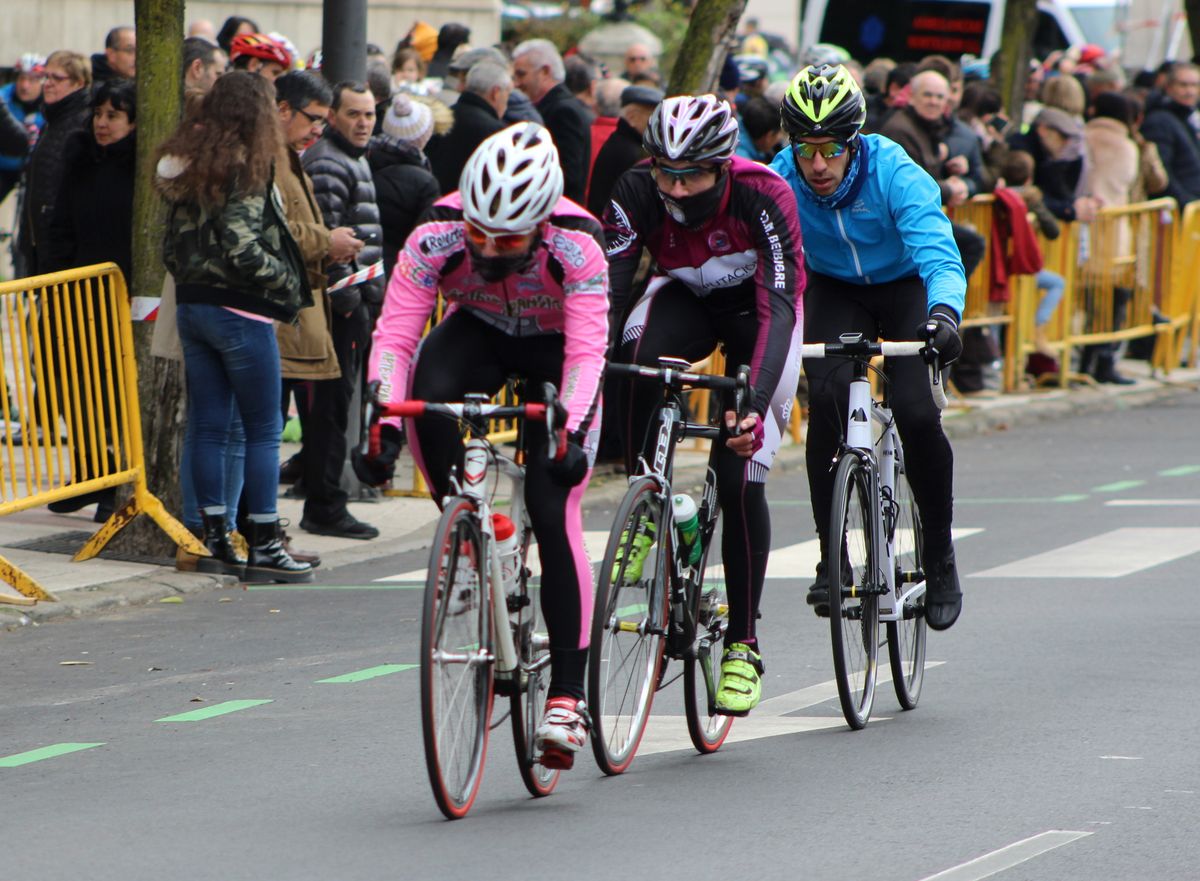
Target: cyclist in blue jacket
<point x="881" y="261"/>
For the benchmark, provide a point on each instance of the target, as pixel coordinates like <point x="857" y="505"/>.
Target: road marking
<point x="1152" y="503"/>
<point x="1119" y="486"/>
<point x="369" y="673"/>
<point x="1180" y="471"/>
<point x="594" y="540"/>
<point x="45" y="752"/>
<point x="215" y="710"/>
<point x="1006" y="857"/>
<point x="1111" y="555"/>
<point x="1069" y="497"/>
<point x="666" y="734"/>
<point x="1124" y="758"/>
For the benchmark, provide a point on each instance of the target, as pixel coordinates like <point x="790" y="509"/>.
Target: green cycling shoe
<point x="639" y="550"/>
<point x="740" y="688"/>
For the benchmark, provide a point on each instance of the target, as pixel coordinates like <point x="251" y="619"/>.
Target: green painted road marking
<point x="1118" y="486"/>
<point x="387" y="585"/>
<point x="369" y="673"/>
<point x="46" y="752"/>
<point x="635" y="609"/>
<point x="1180" y="471"/>
<point x="215" y="710"/>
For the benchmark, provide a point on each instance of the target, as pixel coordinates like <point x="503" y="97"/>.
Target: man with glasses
<point x="723" y="235"/>
<point x="523" y="273"/>
<point x="881" y="261"/>
<point x="639" y="62"/>
<point x="119" y="58"/>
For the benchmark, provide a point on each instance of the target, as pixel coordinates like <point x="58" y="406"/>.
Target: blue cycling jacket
<point x="893" y="228"/>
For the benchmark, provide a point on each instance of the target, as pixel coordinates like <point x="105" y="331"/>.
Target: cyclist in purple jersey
<point x="724" y="237"/>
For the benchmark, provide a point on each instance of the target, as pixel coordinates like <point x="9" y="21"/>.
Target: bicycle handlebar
<point x="469" y="409"/>
<point x="862" y="349"/>
<point x="675" y="377"/>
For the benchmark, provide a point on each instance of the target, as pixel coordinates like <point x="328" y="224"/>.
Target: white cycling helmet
<point x="31" y="62"/>
<point x="691" y="129"/>
<point x="512" y="181"/>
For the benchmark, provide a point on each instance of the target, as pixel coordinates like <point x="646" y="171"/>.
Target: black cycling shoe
<point x="818" y="592"/>
<point x="943" y="596"/>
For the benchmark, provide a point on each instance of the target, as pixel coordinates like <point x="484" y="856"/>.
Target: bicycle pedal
<point x="557" y="759"/>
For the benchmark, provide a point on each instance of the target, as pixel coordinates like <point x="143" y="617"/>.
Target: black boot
<point x="1106" y="370"/>
<point x="225" y="560"/>
<point x="269" y="561"/>
<point x="943" y="595"/>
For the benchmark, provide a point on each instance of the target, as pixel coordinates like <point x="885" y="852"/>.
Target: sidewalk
<point x="406" y="523"/>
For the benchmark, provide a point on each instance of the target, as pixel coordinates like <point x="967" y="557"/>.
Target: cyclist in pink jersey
<point x="525" y="280"/>
<point x="725" y="239"/>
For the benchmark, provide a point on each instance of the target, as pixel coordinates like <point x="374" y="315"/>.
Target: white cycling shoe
<point x="563" y="732"/>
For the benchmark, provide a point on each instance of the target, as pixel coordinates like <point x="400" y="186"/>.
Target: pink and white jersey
<point x="564" y="290"/>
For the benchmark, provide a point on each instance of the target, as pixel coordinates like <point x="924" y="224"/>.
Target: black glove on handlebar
<point x="378" y="465"/>
<point x="571" y="466"/>
<point x="941" y="333"/>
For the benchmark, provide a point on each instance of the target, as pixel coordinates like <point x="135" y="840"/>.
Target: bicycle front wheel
<point x="456" y="660"/>
<point x="529" y="699"/>
<point x="707" y="728"/>
<point x="906" y="636"/>
<point x="627" y="625"/>
<point x="853" y="601"/>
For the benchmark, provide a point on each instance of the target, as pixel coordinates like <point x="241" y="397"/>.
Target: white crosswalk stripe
<point x="1114" y="554"/>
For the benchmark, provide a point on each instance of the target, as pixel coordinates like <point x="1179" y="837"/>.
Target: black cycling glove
<point x="941" y="333"/>
<point x="570" y="467"/>
<point x="378" y="465"/>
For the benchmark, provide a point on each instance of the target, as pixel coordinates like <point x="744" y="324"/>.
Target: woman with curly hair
<point x="237" y="269"/>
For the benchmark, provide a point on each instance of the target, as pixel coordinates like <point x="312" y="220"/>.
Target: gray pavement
<point x="405" y="524"/>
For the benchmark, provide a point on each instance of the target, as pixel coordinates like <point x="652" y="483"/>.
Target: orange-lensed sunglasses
<point x="502" y="242"/>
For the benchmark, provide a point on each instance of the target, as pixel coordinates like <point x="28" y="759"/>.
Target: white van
<point x="907" y="30"/>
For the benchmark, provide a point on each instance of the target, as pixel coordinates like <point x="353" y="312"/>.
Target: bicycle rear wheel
<point x="906" y="637"/>
<point x="456" y="660"/>
<point x="854" y="608"/>
<point x="708" y="729"/>
<point x="529" y="700"/>
<point x="627" y="625"/>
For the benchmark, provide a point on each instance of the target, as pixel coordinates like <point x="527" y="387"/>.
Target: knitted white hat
<point x="408" y="120"/>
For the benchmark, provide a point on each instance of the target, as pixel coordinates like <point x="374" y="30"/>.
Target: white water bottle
<point x="507" y="546"/>
<point x="688" y="523"/>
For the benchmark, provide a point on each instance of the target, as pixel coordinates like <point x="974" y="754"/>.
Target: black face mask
<point x="695" y="211"/>
<point x="493" y="269"/>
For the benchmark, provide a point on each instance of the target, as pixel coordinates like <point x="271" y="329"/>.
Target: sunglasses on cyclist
<point x="831" y="150"/>
<point x="505" y="243"/>
<point x="690" y="175"/>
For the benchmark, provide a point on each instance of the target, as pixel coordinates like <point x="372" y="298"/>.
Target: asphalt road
<point x="1056" y="736"/>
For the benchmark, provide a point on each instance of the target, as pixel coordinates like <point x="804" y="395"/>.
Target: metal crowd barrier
<point x="67" y="364"/>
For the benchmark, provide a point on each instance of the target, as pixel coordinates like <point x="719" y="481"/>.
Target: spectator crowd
<point x="355" y="164"/>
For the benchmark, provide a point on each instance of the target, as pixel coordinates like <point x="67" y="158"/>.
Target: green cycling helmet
<point x="823" y="101"/>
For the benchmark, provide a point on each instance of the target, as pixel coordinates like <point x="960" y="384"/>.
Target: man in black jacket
<point x="477" y="115"/>
<point x="1170" y="124"/>
<point x="345" y="192"/>
<point x="538" y="71"/>
<point x="623" y="149"/>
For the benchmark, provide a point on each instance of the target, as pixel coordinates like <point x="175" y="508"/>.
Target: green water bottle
<point x="688" y="524"/>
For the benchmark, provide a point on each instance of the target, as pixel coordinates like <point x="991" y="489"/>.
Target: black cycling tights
<point x="893" y="312"/>
<point x="463" y="354"/>
<point x="681" y="325"/>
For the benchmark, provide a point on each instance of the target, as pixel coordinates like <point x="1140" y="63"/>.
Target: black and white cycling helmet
<point x="513" y="180"/>
<point x="692" y="129"/>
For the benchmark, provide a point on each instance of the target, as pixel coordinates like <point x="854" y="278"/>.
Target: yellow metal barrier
<point x="67" y="358"/>
<point x="1185" y="291"/>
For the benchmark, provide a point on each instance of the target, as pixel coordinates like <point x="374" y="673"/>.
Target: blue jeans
<point x="1053" y="284"/>
<point x="232" y="365"/>
<point x="235" y="472"/>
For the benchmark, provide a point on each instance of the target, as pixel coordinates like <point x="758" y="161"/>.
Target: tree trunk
<point x="1020" y="22"/>
<point x="1193" y="18"/>
<point x="160" y="32"/>
<point x="702" y="53"/>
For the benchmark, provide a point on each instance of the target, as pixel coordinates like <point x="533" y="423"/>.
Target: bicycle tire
<point x="623" y="664"/>
<point x="701" y="672"/>
<point x="457" y="685"/>
<point x="529" y="703"/>
<point x="906" y="637"/>
<point x="854" y="609"/>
